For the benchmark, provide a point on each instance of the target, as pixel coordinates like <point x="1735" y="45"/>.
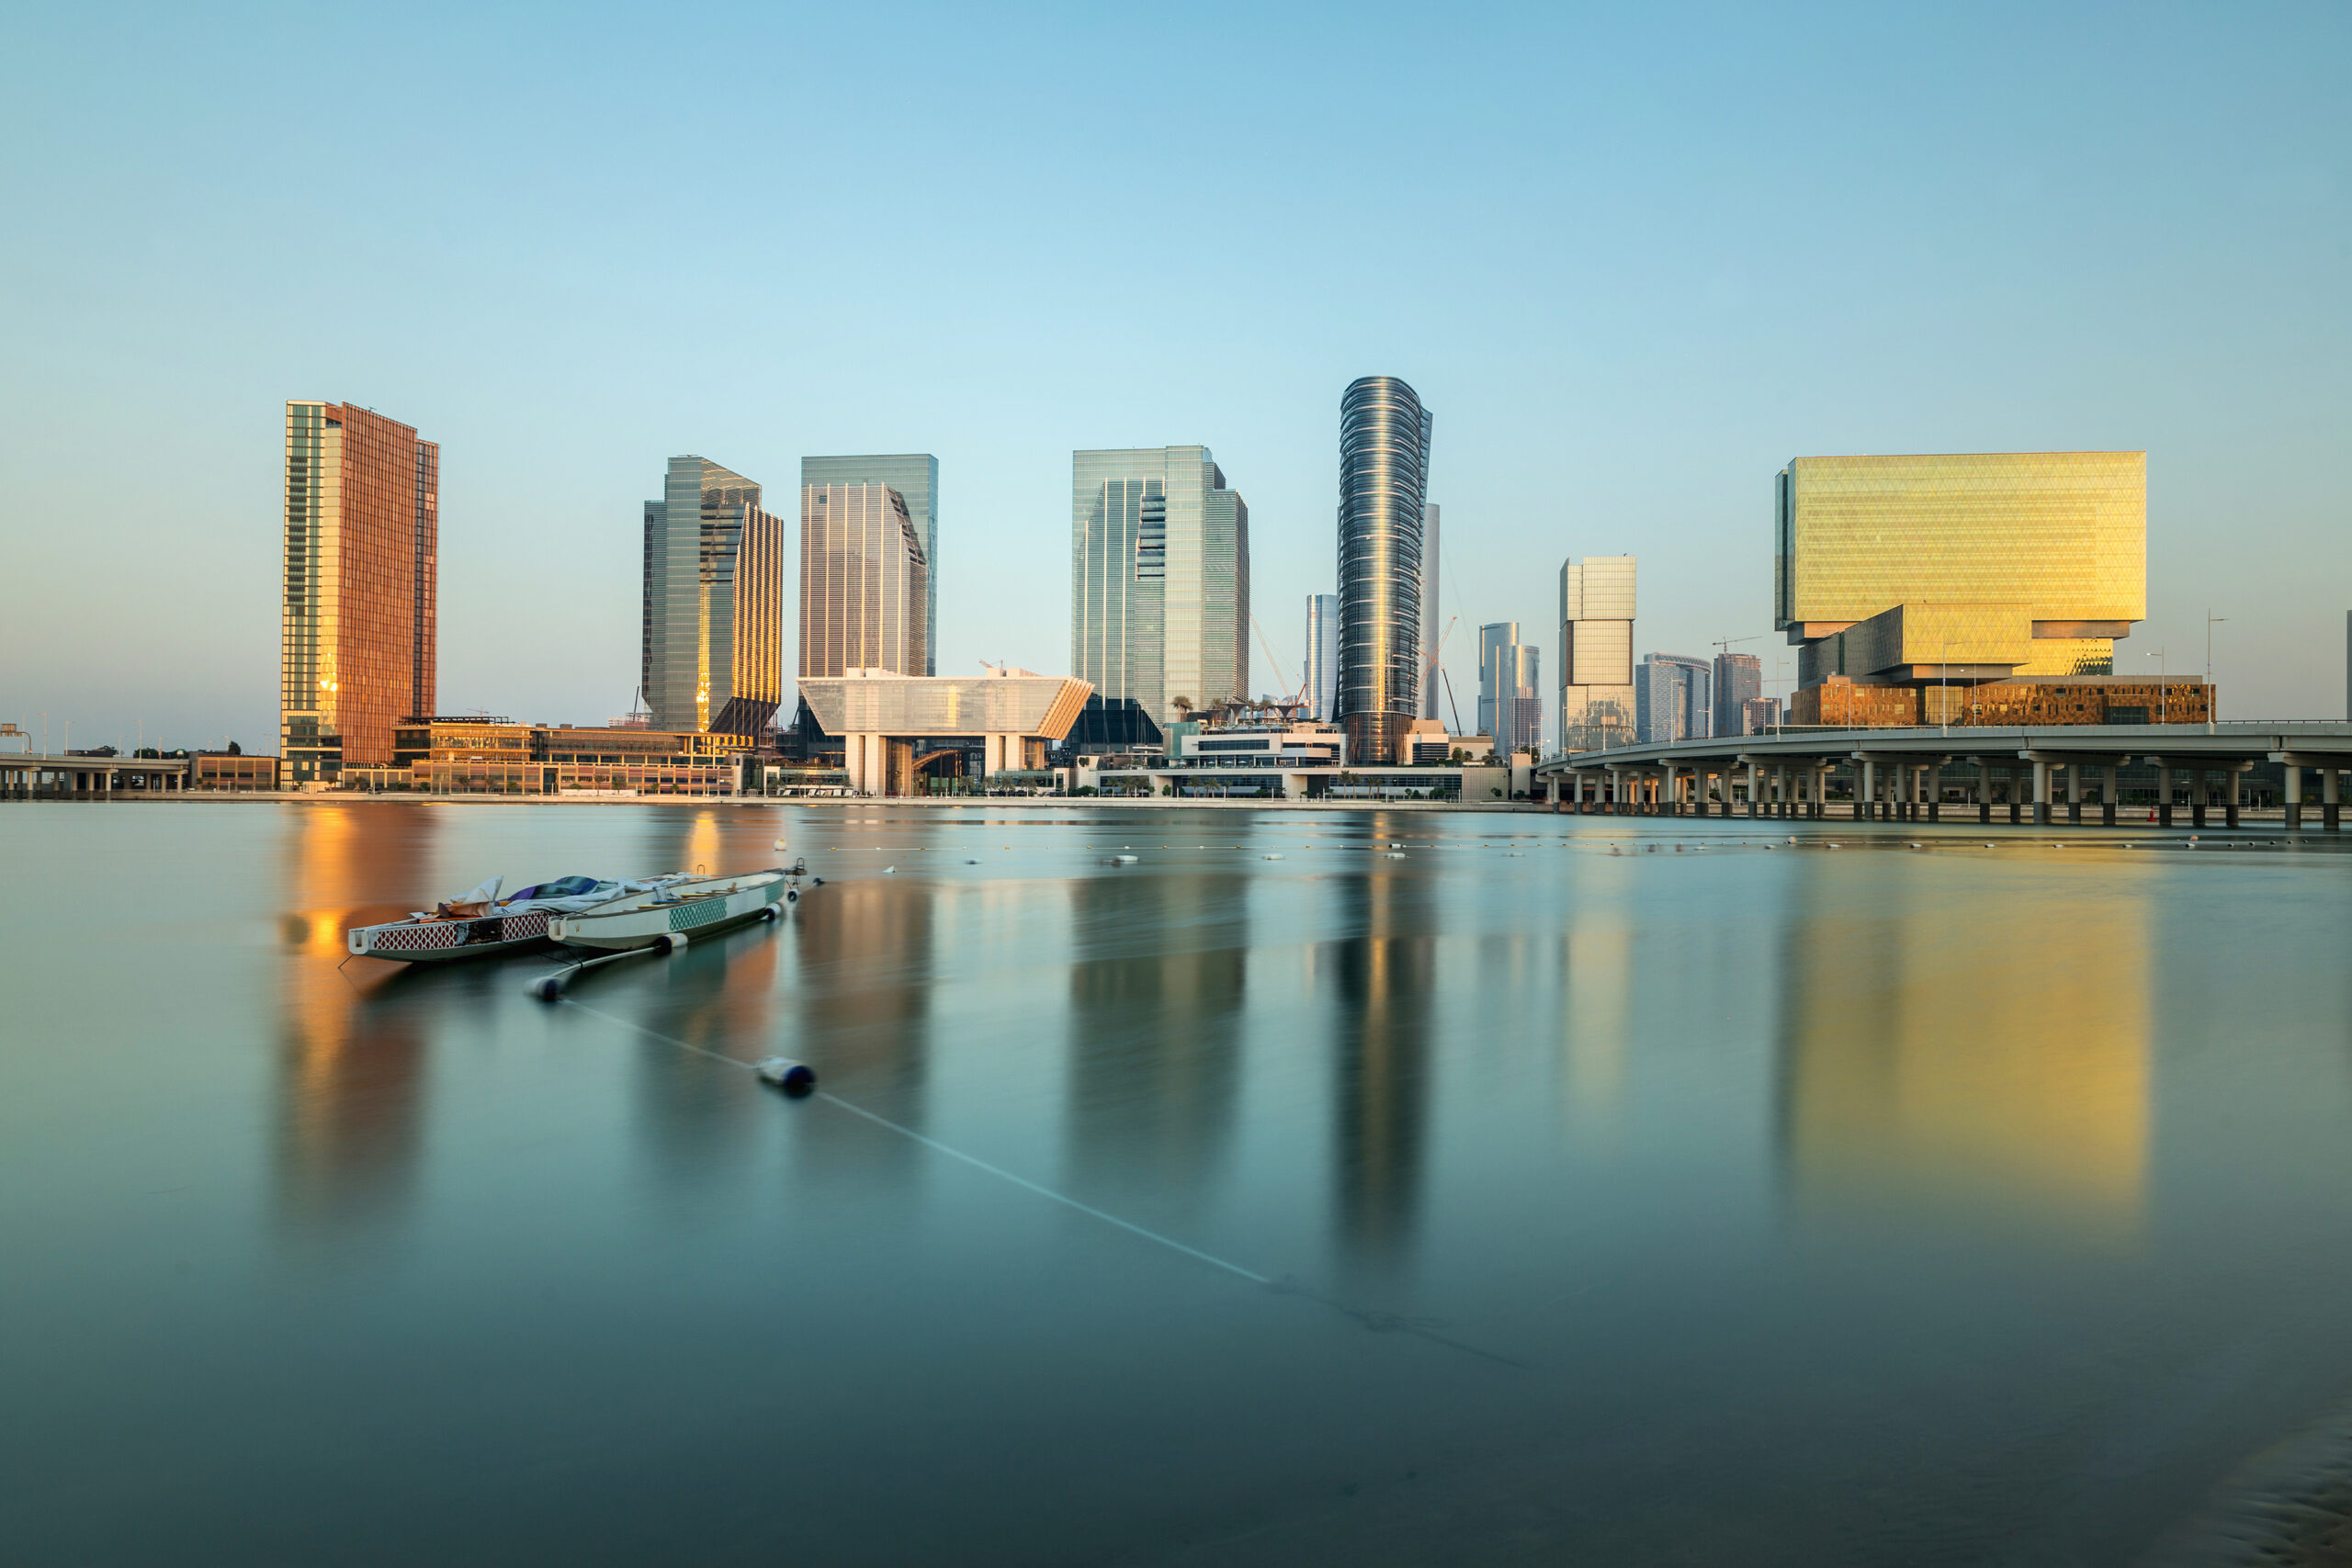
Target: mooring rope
<point x="1377" y="1321"/>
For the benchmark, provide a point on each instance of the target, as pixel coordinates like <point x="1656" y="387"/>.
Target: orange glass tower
<point x="363" y="498"/>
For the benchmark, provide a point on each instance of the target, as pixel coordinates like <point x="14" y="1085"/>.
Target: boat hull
<point x="694" y="910"/>
<point x="451" y="941"/>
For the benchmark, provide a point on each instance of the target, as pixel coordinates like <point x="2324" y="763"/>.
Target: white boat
<point x="480" y="924"/>
<point x="669" y="914"/>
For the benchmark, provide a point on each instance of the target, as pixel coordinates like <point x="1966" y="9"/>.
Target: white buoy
<point x="780" y="844"/>
<point x="795" y="1079"/>
<point x="672" y="941"/>
<point x="1273" y="857"/>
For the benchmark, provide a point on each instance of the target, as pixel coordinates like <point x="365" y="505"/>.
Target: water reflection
<point x="1383" y="982"/>
<point x="863" y="961"/>
<point x="1596" y="1019"/>
<point x="719" y="995"/>
<point x="1155" y="1036"/>
<point x="352" y="1045"/>
<point x="1986" y="1070"/>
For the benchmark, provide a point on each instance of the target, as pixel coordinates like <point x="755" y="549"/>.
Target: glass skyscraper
<point x="864" y="583"/>
<point x="711" y="657"/>
<point x="1510" y="698"/>
<point x="1159" y="579"/>
<point x="1739" y="679"/>
<point x="915" y="476"/>
<point x="357" y="650"/>
<point x="1671" y="698"/>
<point x="1321" y="685"/>
<point x="1432" y="631"/>
<point x="1596" y="653"/>
<point x="1384" y="471"/>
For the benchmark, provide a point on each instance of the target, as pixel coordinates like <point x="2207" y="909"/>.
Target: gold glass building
<point x="1596" y="653"/>
<point x="357" y="646"/>
<point x="1959" y="568"/>
<point x="712" y="654"/>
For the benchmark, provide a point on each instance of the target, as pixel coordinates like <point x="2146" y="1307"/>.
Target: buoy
<point x="673" y="941"/>
<point x="971" y="863"/>
<point x="1918" y="846"/>
<point x="1792" y="838"/>
<point x="1393" y="854"/>
<point x="795" y="1079"/>
<point x="1273" y="857"/>
<point x="767" y="911"/>
<point x="779" y="844"/>
<point x="548" y="987"/>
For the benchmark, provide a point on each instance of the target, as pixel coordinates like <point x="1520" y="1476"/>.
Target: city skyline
<point x="1586" y="314"/>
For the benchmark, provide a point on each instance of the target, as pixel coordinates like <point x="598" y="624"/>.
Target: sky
<point x="1634" y="258"/>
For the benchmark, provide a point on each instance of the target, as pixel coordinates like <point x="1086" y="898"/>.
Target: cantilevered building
<point x="865" y="582"/>
<point x="915" y="476"/>
<point x="1159" y="579"/>
<point x="712" y="654"/>
<point x="1907" y="582"/>
<point x="357" y="649"/>
<point x="1383" y="472"/>
<point x="1596" y="653"/>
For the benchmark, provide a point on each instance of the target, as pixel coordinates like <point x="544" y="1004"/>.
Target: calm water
<point x="1728" y="1205"/>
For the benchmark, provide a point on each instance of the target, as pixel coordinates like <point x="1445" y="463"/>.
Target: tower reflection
<point x="351" y="1042"/>
<point x="864" y="953"/>
<point x="1155" y="1028"/>
<point x="1385" y="979"/>
<point x="1944" y="1062"/>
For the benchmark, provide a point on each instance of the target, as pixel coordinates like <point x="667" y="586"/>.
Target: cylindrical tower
<point x="1384" y="466"/>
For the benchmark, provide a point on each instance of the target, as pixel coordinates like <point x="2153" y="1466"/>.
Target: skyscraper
<point x="865" y="582"/>
<point x="1596" y="653"/>
<point x="712" y="654"/>
<point x="915" y="476"/>
<point x="1159" y="579"/>
<point x="1739" y="678"/>
<point x="357" y="649"/>
<point x="1433" y="634"/>
<point x="1671" y="701"/>
<point x="1384" y="469"/>
<point x="1321" y="683"/>
<point x="1510" y="700"/>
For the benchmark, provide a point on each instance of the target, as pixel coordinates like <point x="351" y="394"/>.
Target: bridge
<point x="1900" y="774"/>
<point x="26" y="775"/>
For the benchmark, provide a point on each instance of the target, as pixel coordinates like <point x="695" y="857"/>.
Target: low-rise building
<point x="232" y="771"/>
<point x="471" y="755"/>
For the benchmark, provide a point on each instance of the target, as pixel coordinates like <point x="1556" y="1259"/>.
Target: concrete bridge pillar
<point x="2041" y="795"/>
<point x="2294" y="801"/>
<point x="2237" y="794"/>
<point x="2164" y="796"/>
<point x="2107" y="791"/>
<point x="2197" y="792"/>
<point x="1866" y="791"/>
<point x="1983" y="791"/>
<point x="1935" y="792"/>
<point x="2073" y="795"/>
<point x="2330" y="803"/>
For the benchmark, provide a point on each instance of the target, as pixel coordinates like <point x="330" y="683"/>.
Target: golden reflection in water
<point x="1975" y="1060"/>
<point x="351" y="1043"/>
<point x="1597" y="1005"/>
<point x="703" y="847"/>
<point x="863" y="966"/>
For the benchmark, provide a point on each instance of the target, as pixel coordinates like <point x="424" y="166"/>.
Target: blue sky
<point x="1635" y="258"/>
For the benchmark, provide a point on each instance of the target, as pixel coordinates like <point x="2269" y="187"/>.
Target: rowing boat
<point x="669" y="915"/>
<point x="480" y="924"/>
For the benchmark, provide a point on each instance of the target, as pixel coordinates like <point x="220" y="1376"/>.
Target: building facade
<point x="1950" y="570"/>
<point x="1510" y="692"/>
<point x="865" y="582"/>
<point x="1432" y="632"/>
<point x="1319" y="681"/>
<point x="357" y="647"/>
<point x="1383" y="473"/>
<point x="1597" y="705"/>
<point x="1738" y="680"/>
<point x="1159" y="579"/>
<point x="711" y="657"/>
<point x="1672" y="700"/>
<point x="893" y="725"/>
<point x="915" y="476"/>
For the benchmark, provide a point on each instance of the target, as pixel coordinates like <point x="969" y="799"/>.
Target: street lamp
<point x="2212" y="620"/>
<point x="2164" y="688"/>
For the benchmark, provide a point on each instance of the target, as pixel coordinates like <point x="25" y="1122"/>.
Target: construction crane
<point x="1435" y="653"/>
<point x="1293" y="697"/>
